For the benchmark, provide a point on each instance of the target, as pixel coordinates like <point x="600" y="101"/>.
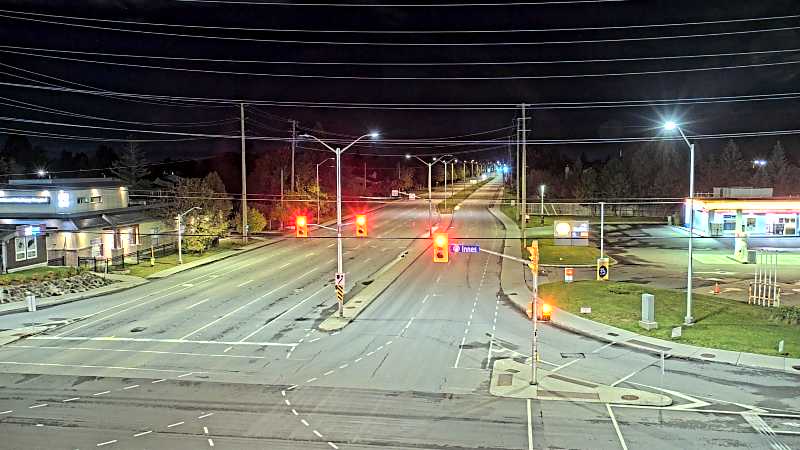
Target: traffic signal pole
<point x="339" y="265"/>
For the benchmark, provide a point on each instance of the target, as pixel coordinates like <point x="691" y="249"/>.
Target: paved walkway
<point x="514" y="285"/>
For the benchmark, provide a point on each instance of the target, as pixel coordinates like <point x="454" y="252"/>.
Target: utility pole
<point x="516" y="163"/>
<point x="365" y="178"/>
<point x="524" y="168"/>
<point x="244" y="178"/>
<point x="283" y="209"/>
<point x="294" y="145"/>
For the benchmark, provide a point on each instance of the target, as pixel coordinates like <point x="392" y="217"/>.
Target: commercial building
<point x="745" y="210"/>
<point x="81" y="217"/>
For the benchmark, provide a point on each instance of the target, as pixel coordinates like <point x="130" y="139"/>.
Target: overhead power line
<point x="424" y="106"/>
<point x="402" y="5"/>
<point x="406" y="64"/>
<point x="409" y="78"/>
<point x="25" y="16"/>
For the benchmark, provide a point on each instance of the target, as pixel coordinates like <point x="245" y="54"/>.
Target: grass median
<point x="144" y="269"/>
<point x="720" y="323"/>
<point x="459" y="197"/>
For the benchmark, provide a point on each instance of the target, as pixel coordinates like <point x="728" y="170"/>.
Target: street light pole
<point x="541" y="208"/>
<point x="338" y="151"/>
<point x="244" y="177"/>
<point x="430" y="199"/>
<point x="318" y="189"/>
<point x="670" y="125"/>
<point x="180" y="234"/>
<point x="445" y="162"/>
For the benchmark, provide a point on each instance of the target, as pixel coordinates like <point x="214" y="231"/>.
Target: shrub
<point x="788" y="314"/>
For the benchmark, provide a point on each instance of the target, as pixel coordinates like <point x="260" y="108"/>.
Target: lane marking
<point x="67" y="400"/>
<point x="565" y="365"/>
<point x="328" y="373"/>
<point x="143" y="433"/>
<point x="259" y="298"/>
<point x="158" y="381"/>
<point x="107" y="443"/>
<point x="245" y="283"/>
<point x="198" y="303"/>
<point x="311" y="380"/>
<point x="7" y="412"/>
<point x="530" y="426"/>
<point x="333" y="446"/>
<point x="205" y="415"/>
<point x="205" y="430"/>
<point x="118" y="350"/>
<point x="304" y="422"/>
<point x="165" y="341"/>
<point x="285" y="265"/>
<point x="603" y="347"/>
<point x="101" y="393"/>
<point x="210" y="442"/>
<point x="625" y="378"/>
<point x="288" y="403"/>
<point x="175" y="424"/>
<point x="294" y="411"/>
<point x="616" y="427"/>
<point x="227" y="349"/>
<point x="317" y="433"/>
<point x="37" y="406"/>
<point x="282" y="314"/>
<point x="87" y="366"/>
<point x="460" y="348"/>
<point x="130" y="387"/>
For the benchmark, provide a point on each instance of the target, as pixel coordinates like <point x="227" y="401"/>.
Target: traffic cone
<point x="716" y="288"/>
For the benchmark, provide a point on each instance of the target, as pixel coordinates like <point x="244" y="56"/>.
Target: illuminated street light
<point x="759" y="163"/>
<point x="670" y="125"/>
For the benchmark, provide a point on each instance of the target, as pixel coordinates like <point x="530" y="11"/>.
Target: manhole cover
<point x="630" y="397"/>
<point x="137" y="329"/>
<point x="505" y="379"/>
<point x="613" y="334"/>
<point x="707" y="355"/>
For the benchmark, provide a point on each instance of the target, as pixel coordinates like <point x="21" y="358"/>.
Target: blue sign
<point x="465" y="248"/>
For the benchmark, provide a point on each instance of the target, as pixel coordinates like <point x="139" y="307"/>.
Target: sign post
<point x="534" y="266"/>
<point x="339" y="280"/>
<point x="602" y="269"/>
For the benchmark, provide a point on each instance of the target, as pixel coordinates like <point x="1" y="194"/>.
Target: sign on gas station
<point x="569" y="272"/>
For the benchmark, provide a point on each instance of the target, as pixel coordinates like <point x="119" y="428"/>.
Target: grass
<point x="549" y="253"/>
<point x="458" y="197"/>
<point x="144" y="269"/>
<point x="720" y="323"/>
<point x="38" y="274"/>
<point x="535" y="221"/>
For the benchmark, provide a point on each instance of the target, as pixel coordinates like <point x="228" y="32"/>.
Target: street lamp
<point x="759" y="163"/>
<point x="445" y="162"/>
<point x="541" y="196"/>
<point x="669" y="126"/>
<point x="338" y="151"/>
<point x="180" y="225"/>
<point x="430" y="199"/>
<point x="318" y="209"/>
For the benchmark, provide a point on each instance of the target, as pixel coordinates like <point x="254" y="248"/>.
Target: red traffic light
<point x="361" y="219"/>
<point x="301" y="226"/>
<point x="361" y="225"/>
<point x="441" y="252"/>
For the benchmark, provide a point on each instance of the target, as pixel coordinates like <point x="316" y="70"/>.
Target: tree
<point x="587" y="186"/>
<point x="614" y="179"/>
<point x="104" y="157"/>
<point x="256" y="222"/>
<point x="731" y="166"/>
<point x="779" y="171"/>
<point x="131" y="167"/>
<point x="209" y="223"/>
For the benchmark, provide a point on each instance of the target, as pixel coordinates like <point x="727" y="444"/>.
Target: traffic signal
<point x="361" y="225"/>
<point x="301" y="227"/>
<point x="533" y="251"/>
<point x="441" y="252"/>
<point x="546" y="310"/>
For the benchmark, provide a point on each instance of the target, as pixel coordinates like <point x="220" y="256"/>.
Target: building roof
<point x="749" y="204"/>
<point x="66" y="182"/>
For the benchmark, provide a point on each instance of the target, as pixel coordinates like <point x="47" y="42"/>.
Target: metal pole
<point x="445" y="185"/>
<point x="535" y="341"/>
<point x="294" y="143"/>
<point x="689" y="319"/>
<point x="524" y="189"/>
<point x="541" y="208"/>
<point x="244" y="178"/>
<point x="180" y="252"/>
<point x="602" y="225"/>
<point x="365" y="177"/>
<point x="430" y="203"/>
<point x="319" y="220"/>
<point x="339" y="266"/>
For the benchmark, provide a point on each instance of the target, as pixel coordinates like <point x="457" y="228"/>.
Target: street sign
<point x="339" y="279"/>
<point x="568" y="274"/>
<point x="465" y="248"/>
<point x="602" y="268"/>
<point x="677" y="332"/>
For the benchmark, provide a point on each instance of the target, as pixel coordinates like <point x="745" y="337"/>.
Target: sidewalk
<point x="518" y="293"/>
<point x="123" y="282"/>
<point x="219" y="256"/>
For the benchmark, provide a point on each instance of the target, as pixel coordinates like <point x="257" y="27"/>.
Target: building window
<point x="93" y="199"/>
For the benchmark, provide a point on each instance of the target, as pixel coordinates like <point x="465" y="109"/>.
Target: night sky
<point x="272" y="121"/>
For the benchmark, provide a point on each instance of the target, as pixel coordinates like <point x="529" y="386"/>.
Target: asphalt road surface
<point x="228" y="356"/>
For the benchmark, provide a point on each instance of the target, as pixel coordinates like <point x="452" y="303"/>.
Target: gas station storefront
<point x="753" y="217"/>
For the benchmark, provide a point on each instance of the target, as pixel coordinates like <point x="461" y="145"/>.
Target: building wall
<point x="62" y="200"/>
<point x="11" y="254"/>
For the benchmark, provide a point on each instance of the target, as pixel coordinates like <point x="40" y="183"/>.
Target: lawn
<point x="144" y="269"/>
<point x="720" y="323"/>
<point x="535" y="220"/>
<point x="38" y="273"/>
<point x="565" y="254"/>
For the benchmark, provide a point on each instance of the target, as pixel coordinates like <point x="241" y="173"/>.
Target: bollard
<point x="31" y="299"/>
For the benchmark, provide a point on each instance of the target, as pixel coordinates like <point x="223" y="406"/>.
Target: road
<point x="228" y="356"/>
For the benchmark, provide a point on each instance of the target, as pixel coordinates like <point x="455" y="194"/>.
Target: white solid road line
<point x="262" y="296"/>
<point x="530" y="426"/>
<point x="166" y="341"/>
<point x="282" y="314"/>
<point x="626" y="377"/>
<point x="616" y="427"/>
<point x="86" y="366"/>
<point x="120" y="350"/>
<point x="460" y="348"/>
<point x="563" y="366"/>
<point x="198" y="303"/>
<point x="245" y="283"/>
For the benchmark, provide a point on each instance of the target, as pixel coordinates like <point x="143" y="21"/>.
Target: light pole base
<point x="688" y="321"/>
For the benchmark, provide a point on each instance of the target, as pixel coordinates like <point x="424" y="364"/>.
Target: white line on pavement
<point x="563" y="366"/>
<point x="245" y="283"/>
<point x="67" y="400"/>
<point x="603" y="347"/>
<point x="133" y="386"/>
<point x="460" y="347"/>
<point x="107" y="443"/>
<point x="281" y="315"/>
<point x="198" y="303"/>
<point x="262" y="296"/>
<point x="143" y="433"/>
<point x="625" y="378"/>
<point x="530" y="426"/>
<point x="210" y="442"/>
<point x="205" y="415"/>
<point x="175" y="424"/>
<point x="616" y="427"/>
<point x="167" y="341"/>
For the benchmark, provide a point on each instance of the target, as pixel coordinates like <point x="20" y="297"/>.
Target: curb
<point x="82" y="296"/>
<point x="236" y="252"/>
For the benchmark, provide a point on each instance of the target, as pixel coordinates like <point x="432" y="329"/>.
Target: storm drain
<point x="504" y="379"/>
